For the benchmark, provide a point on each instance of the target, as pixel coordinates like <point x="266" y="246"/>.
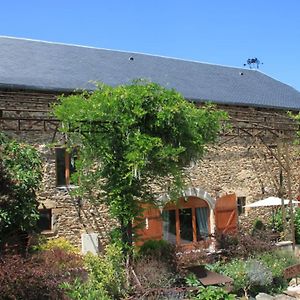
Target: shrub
<point x="155" y="264"/>
<point x="264" y="272"/>
<point x="258" y="273"/>
<point x="297" y="225"/>
<point x="39" y="276"/>
<point x="158" y="249"/>
<point x="20" y="177"/>
<point x="80" y="290"/>
<point x="207" y="293"/>
<point x="258" y="227"/>
<point x="244" y="245"/>
<point x="192" y="280"/>
<point x="106" y="276"/>
<point x="237" y="270"/>
<point x="212" y="293"/>
<point x="277" y="261"/>
<point x="278" y="223"/>
<point x="154" y="273"/>
<point x="58" y="243"/>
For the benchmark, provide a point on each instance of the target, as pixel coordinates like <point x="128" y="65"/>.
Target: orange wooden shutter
<point x="153" y="229"/>
<point x="226" y="214"/>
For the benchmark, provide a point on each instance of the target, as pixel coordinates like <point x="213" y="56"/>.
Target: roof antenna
<point x="253" y="63"/>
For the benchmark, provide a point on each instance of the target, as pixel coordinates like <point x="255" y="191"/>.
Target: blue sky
<point x="225" y="32"/>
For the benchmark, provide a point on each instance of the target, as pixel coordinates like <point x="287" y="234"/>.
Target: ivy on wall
<point x="132" y="137"/>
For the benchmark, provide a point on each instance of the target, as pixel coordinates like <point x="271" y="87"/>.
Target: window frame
<point x="192" y="203"/>
<point x="67" y="162"/>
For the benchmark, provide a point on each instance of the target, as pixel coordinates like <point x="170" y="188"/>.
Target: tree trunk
<point x="126" y="229"/>
<point x="127" y="243"/>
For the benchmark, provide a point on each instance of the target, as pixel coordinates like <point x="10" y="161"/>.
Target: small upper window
<point x="65" y="166"/>
<point x="241" y="202"/>
<point x="45" y="220"/>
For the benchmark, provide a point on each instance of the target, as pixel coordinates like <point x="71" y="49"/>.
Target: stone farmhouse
<point x="254" y="158"/>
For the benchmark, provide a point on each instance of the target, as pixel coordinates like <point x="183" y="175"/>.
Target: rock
<point x="293" y="291"/>
<point x="294" y="282"/>
<point x="263" y="296"/>
<point x="284" y="297"/>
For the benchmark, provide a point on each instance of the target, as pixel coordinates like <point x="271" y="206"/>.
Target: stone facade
<point x="242" y="162"/>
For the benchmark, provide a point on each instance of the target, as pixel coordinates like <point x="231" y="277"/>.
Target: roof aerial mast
<point x="253" y="63"/>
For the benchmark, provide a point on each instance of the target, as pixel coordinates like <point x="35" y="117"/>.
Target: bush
<point x="161" y="250"/>
<point x="263" y="272"/>
<point x="235" y="269"/>
<point x="212" y="293"/>
<point x="244" y="245"/>
<point x="277" y="261"/>
<point x="278" y="223"/>
<point x="106" y="276"/>
<point x="297" y="225"/>
<point x="155" y="264"/>
<point x="154" y="273"/>
<point x="20" y="174"/>
<point x="207" y="293"/>
<point x="39" y="276"/>
<point x="80" y="290"/>
<point x="258" y="227"/>
<point x="58" y="243"/>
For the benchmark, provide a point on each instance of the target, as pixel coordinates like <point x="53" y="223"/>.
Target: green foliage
<point x="58" y="243"/>
<point x="131" y="137"/>
<point x="297" y="225"/>
<point x="213" y="293"/>
<point x="277" y="261"/>
<point x="207" y="293"/>
<point x="278" y="224"/>
<point x="80" y="290"/>
<point x="258" y="225"/>
<point x="106" y="277"/>
<point x="263" y="272"/>
<point x="192" y="280"/>
<point x="159" y="249"/>
<point x="237" y="270"/>
<point x="20" y="176"/>
<point x="107" y="271"/>
<point x="277" y="221"/>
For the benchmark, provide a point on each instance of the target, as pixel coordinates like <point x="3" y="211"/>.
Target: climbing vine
<point x="134" y="140"/>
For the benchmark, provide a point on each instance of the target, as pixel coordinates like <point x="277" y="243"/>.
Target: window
<point x="169" y="225"/>
<point x="45" y="220"/>
<point x="241" y="202"/>
<point x="187" y="224"/>
<point x="65" y="166"/>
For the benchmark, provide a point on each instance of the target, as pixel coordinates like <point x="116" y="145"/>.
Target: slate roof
<point x="48" y="66"/>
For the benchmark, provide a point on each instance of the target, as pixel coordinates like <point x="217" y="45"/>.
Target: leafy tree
<point x="20" y="175"/>
<point x="132" y="138"/>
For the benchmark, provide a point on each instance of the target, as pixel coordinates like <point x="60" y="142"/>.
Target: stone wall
<point x="69" y="217"/>
<point x="238" y="164"/>
<point x="247" y="170"/>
